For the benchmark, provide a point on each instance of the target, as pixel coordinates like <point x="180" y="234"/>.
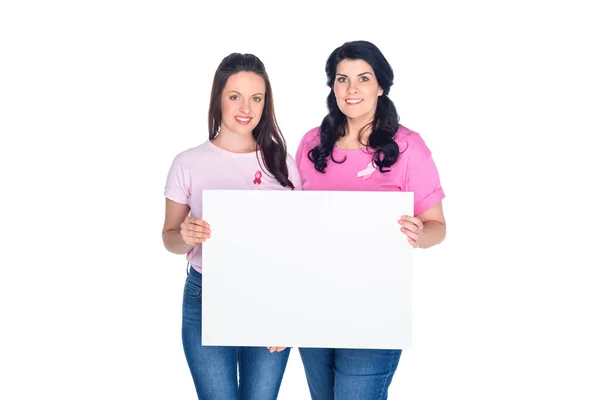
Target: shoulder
<point x="191" y="155"/>
<point x="312" y="137"/>
<point x="411" y="143"/>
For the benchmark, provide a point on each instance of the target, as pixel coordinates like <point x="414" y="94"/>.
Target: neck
<point x="355" y="137"/>
<point x="235" y="142"/>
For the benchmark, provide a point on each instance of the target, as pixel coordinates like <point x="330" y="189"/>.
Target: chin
<point x="353" y="114"/>
<point x="245" y="131"/>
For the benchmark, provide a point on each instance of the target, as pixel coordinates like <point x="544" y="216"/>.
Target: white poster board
<point x="306" y="269"/>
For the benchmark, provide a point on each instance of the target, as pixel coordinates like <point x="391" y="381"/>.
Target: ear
<point x="380" y="91"/>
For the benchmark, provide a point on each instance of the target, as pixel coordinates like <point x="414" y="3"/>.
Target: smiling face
<point x="356" y="89"/>
<point x="242" y="103"/>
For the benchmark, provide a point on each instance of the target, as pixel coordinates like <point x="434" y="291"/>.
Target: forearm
<point x="433" y="233"/>
<point x="174" y="243"/>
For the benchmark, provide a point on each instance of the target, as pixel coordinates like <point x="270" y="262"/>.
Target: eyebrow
<point x="362" y="73"/>
<point x="255" y="94"/>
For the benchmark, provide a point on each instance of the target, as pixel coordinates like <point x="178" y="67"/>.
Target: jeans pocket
<point x="192" y="288"/>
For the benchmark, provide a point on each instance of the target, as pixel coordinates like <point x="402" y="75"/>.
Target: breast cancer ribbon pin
<point x="257" y="177"/>
<point x="366" y="173"/>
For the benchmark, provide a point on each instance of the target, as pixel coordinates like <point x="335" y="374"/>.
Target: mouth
<point x="243" y="120"/>
<point x="353" y="102"/>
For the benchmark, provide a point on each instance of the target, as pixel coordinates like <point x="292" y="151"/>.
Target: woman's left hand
<point x="412" y="228"/>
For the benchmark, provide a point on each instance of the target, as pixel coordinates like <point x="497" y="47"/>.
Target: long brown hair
<point x="268" y="136"/>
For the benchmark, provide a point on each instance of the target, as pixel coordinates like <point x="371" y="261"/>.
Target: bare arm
<point x="180" y="231"/>
<point x="426" y="229"/>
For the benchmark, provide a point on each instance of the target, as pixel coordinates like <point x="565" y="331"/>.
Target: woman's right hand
<point x="194" y="231"/>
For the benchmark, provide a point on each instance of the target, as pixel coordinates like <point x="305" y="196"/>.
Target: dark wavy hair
<point x="385" y="123"/>
<point x="267" y="133"/>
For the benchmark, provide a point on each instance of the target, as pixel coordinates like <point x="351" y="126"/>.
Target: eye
<point x="364" y="78"/>
<point x="233" y="97"/>
<point x="342" y="79"/>
<point x="257" y="99"/>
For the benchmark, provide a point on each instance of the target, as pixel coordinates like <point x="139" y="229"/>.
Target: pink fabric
<point x="210" y="167"/>
<point x="414" y="171"/>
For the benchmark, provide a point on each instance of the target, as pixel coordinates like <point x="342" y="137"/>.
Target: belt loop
<point x="187" y="268"/>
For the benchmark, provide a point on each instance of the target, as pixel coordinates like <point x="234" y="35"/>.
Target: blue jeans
<point x="349" y="374"/>
<point x="215" y="368"/>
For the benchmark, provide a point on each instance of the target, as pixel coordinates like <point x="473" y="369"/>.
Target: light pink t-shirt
<point x="414" y="171"/>
<point x="210" y="167"/>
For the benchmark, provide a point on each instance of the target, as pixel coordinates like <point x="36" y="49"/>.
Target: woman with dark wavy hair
<point x="360" y="146"/>
<point x="245" y="150"/>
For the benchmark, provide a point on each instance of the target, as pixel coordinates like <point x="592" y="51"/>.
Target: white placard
<point x="306" y="269"/>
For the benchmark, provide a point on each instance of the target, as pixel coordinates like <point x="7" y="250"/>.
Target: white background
<point x="96" y="98"/>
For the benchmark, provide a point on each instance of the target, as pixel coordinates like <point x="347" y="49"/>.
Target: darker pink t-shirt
<point x="414" y="171"/>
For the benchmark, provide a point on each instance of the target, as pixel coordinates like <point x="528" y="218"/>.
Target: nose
<point x="245" y="107"/>
<point x="352" y="88"/>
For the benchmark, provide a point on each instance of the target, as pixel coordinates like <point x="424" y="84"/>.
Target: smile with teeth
<point x="353" y="101"/>
<point x="243" y="120"/>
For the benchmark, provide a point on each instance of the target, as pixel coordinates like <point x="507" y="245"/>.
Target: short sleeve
<point x="423" y="180"/>
<point x="178" y="185"/>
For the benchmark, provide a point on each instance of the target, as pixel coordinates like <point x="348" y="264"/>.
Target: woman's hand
<point x="274" y="349"/>
<point x="412" y="228"/>
<point x="194" y="231"/>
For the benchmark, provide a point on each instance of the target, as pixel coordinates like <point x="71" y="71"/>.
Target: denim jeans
<point x="215" y="368"/>
<point x="349" y="374"/>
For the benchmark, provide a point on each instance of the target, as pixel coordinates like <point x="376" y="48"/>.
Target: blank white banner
<point x="306" y="269"/>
